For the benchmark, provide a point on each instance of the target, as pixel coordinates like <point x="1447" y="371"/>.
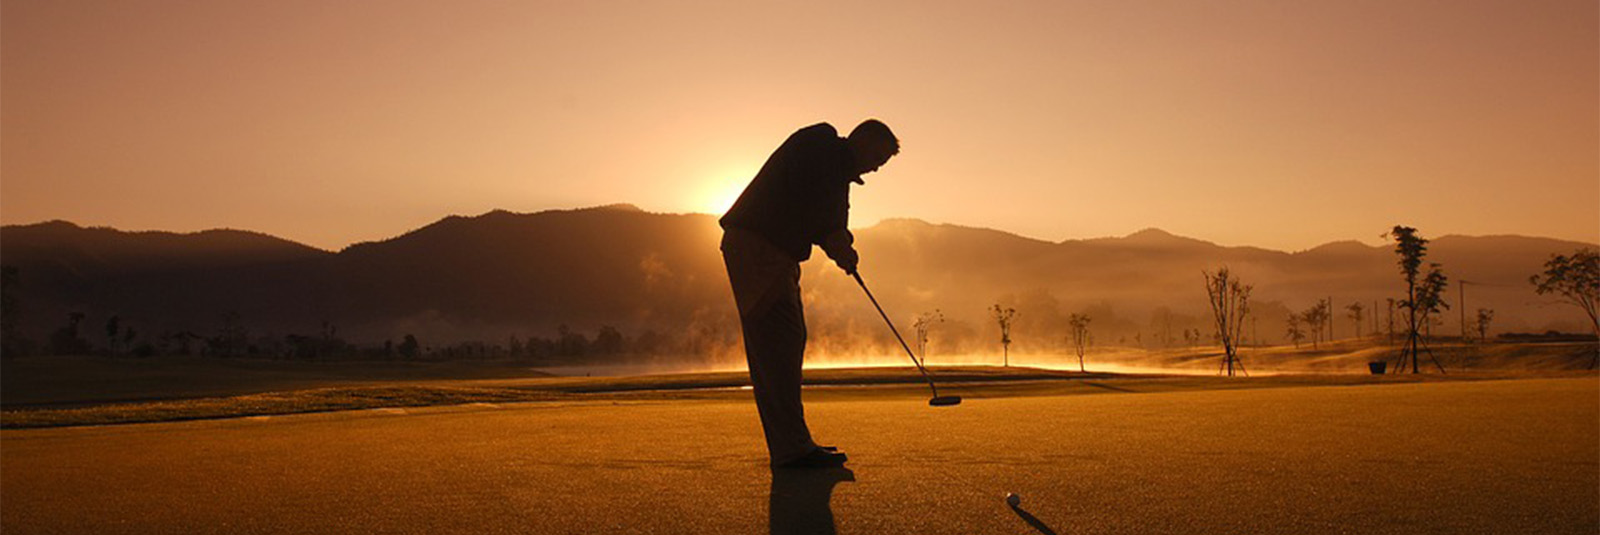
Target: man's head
<point x="873" y="144"/>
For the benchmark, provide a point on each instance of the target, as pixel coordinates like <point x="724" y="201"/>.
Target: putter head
<point x="945" y="401"/>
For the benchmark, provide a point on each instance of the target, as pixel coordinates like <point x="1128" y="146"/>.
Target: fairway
<point x="1514" y="456"/>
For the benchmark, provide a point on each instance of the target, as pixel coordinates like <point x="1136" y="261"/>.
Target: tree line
<point x="1574" y="279"/>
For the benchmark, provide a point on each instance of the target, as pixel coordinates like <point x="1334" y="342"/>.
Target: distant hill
<point x="500" y="274"/>
<point x="108" y="250"/>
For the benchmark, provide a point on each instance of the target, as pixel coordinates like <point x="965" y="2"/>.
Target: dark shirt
<point x="802" y="194"/>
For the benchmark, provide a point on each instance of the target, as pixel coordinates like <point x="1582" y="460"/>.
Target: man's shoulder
<point x="821" y="129"/>
<point x="817" y="132"/>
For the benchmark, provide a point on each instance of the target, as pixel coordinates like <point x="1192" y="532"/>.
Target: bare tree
<point x="113" y="328"/>
<point x="1230" y="304"/>
<point x="1374" y="315"/>
<point x="1356" y="312"/>
<point x="1485" y="315"/>
<point x="1161" y="324"/>
<point x="1295" y="333"/>
<point x="1327" y="321"/>
<point x="923" y="325"/>
<point x="1080" y="336"/>
<point x="1390" y="321"/>
<point x="1003" y="316"/>
<point x="1314" y="319"/>
<point x="1576" y="279"/>
<point x="1327" y="318"/>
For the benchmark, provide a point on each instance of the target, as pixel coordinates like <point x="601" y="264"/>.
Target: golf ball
<point x="1012" y="499"/>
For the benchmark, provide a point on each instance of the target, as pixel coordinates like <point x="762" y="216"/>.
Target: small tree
<point x="1485" y="315"/>
<point x="113" y="328"/>
<point x="570" y="343"/>
<point x="1422" y="296"/>
<point x="608" y="341"/>
<point x="923" y="325"/>
<point x="1004" y="316"/>
<point x="1576" y="279"/>
<point x="1230" y="303"/>
<point x="1430" y="297"/>
<point x="1161" y="323"/>
<point x="1355" y="313"/>
<point x="408" y="347"/>
<point x="1295" y="333"/>
<point x="65" y="341"/>
<point x="1327" y="319"/>
<point x="1314" y="318"/>
<point x="1390" y="319"/>
<point x="1080" y="336"/>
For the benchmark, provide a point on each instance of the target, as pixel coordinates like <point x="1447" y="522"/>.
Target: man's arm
<point x="836" y="239"/>
<point x="840" y="246"/>
<point x="822" y="172"/>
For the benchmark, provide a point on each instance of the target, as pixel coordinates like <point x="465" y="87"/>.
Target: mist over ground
<point x="616" y="284"/>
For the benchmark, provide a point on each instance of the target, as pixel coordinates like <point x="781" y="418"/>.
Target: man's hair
<point x="873" y="128"/>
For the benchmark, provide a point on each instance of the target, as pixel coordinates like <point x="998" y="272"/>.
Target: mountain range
<point x="505" y="274"/>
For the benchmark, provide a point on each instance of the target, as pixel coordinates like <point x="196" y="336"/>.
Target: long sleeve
<point x="801" y="197"/>
<point x="830" y="203"/>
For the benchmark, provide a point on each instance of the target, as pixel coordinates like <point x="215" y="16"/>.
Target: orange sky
<point x="1266" y="123"/>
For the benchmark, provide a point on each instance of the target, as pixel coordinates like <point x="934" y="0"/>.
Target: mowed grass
<point x="1438" y="456"/>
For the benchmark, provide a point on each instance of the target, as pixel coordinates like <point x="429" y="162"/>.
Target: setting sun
<point x="720" y="191"/>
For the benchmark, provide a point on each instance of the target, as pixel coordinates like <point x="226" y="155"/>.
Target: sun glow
<point x="718" y="194"/>
<point x="723" y="200"/>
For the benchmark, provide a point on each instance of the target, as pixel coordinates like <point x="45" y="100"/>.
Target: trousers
<point x="766" y="288"/>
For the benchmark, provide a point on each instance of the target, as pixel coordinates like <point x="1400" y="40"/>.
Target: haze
<point x="1260" y="123"/>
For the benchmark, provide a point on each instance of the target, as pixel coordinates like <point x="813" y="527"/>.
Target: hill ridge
<point x="500" y="272"/>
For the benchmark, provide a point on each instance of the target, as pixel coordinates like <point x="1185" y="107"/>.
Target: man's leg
<point x="775" y="343"/>
<point x="766" y="287"/>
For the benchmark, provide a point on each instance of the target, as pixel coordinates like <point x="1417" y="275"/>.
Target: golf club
<point x="937" y="401"/>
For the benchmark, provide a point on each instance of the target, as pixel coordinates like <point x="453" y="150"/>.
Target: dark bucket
<point x="1377" y="367"/>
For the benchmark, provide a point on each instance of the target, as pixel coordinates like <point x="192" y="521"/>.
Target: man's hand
<point x="840" y="247"/>
<point x="848" y="260"/>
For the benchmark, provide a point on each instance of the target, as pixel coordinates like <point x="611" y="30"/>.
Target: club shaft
<point x="897" y="336"/>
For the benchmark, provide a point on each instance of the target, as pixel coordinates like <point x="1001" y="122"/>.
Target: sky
<point x="1270" y="123"/>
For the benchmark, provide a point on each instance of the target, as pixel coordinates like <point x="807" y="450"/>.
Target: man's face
<point x="872" y="155"/>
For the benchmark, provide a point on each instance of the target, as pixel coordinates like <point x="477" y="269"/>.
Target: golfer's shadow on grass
<point x="799" y="502"/>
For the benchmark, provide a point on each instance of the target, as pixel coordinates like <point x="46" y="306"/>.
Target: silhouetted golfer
<point x="800" y="198"/>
